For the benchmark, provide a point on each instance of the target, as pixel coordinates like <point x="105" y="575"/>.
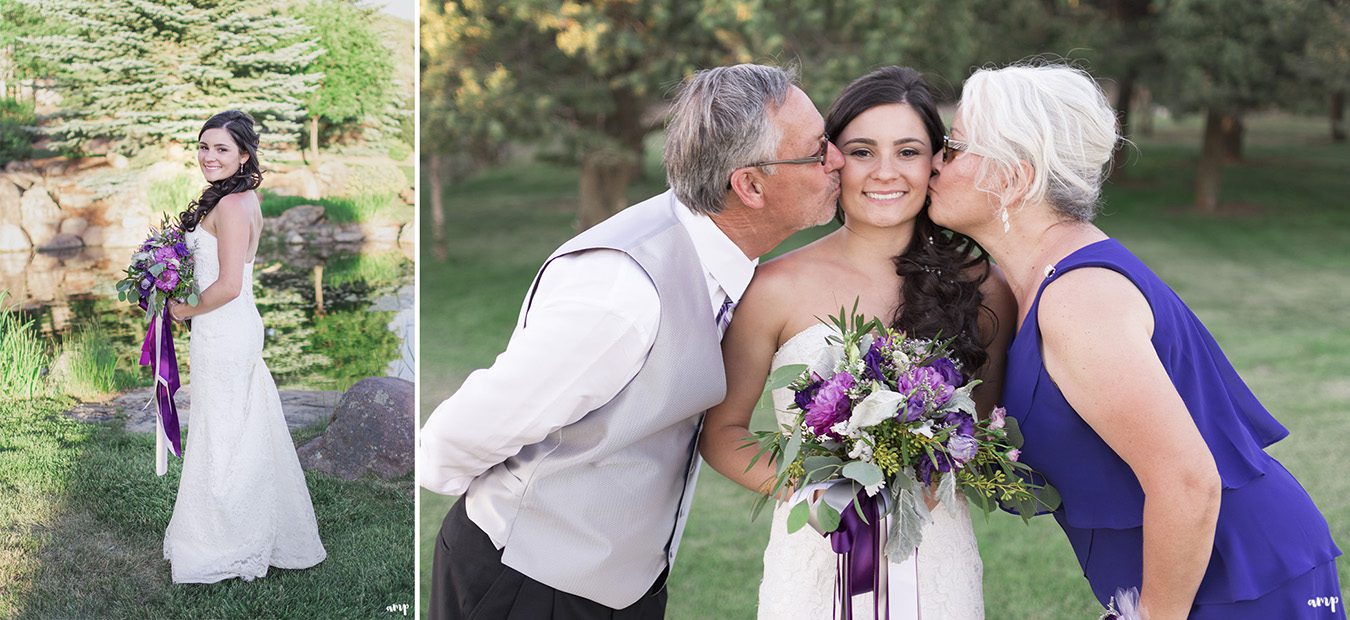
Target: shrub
<point x="17" y="126"/>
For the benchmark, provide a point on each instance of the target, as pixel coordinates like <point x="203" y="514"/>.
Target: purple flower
<point x="996" y="417"/>
<point x="927" y="468"/>
<point x="1014" y="454"/>
<point x="964" y="422"/>
<point x="947" y="370"/>
<point x="181" y="249"/>
<point x="804" y="397"/>
<point x="167" y="280"/>
<point x="924" y="386"/>
<point x="877" y="361"/>
<point x="145" y="283"/>
<point x="165" y="255"/>
<point x="830" y="404"/>
<point x="962" y="447"/>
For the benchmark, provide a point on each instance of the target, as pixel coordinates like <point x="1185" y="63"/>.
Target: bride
<point x="899" y="266"/>
<point x="242" y="502"/>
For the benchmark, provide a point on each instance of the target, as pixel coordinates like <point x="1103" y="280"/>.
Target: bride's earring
<point x="1003" y="217"/>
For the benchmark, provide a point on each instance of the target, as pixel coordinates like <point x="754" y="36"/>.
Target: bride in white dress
<point x="242" y="501"/>
<point x="900" y="267"/>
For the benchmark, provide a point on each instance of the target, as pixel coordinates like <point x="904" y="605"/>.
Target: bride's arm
<point x="232" y="225"/>
<point x="747" y="351"/>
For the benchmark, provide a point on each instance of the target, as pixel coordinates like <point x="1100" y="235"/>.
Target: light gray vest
<point x="592" y="508"/>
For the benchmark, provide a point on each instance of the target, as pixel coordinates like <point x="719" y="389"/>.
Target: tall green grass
<point x="23" y="357"/>
<point x="91" y="365"/>
<point x="173" y="194"/>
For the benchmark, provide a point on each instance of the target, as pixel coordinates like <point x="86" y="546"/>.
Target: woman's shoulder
<point x="238" y="200"/>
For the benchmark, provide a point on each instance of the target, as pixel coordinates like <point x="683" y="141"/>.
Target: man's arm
<point x="590" y="326"/>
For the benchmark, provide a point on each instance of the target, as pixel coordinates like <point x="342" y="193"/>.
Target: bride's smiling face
<point x="218" y="155"/>
<point x="887" y="162"/>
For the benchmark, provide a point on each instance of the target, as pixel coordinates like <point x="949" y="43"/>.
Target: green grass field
<point x="1269" y="278"/>
<point x="82" y="520"/>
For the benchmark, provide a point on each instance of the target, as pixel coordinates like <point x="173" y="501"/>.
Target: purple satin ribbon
<point x="858" y="544"/>
<point x="166" y="377"/>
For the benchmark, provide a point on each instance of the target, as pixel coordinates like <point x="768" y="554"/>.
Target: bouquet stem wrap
<point x="157" y="351"/>
<point x="864" y="565"/>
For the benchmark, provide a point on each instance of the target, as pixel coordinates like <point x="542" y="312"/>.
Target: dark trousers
<point x="469" y="582"/>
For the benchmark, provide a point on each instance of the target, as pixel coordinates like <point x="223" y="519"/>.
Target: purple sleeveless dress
<point x="1273" y="554"/>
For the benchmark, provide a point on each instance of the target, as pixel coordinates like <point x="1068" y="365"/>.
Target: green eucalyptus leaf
<point x="828" y="516"/>
<point x="1013" y="431"/>
<point x="799" y="516"/>
<point x="863" y="473"/>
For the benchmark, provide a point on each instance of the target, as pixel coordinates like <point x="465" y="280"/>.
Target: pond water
<point x="334" y="314"/>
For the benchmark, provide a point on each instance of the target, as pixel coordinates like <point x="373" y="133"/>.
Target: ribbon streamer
<point x="157" y="351"/>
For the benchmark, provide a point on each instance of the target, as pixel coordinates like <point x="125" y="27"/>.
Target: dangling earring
<point x="1003" y="217"/>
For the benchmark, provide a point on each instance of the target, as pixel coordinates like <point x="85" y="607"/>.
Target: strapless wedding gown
<point x="799" y="568"/>
<point x="242" y="501"/>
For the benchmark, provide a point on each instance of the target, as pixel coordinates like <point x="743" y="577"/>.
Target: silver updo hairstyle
<point x="1052" y="116"/>
<point x="720" y="122"/>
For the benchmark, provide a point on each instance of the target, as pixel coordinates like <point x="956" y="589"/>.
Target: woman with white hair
<point x="1128" y="406"/>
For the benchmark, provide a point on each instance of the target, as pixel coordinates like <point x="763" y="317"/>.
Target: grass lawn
<point x="82" y="520"/>
<point x="1269" y="279"/>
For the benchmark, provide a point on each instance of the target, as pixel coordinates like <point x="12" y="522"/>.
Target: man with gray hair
<point x="575" y="452"/>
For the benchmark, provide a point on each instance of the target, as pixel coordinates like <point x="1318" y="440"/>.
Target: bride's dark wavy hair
<point x="938" y="297"/>
<point x="249" y="176"/>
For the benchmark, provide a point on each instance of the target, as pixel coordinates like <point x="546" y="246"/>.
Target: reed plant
<point x="23" y="357"/>
<point x="91" y="365"/>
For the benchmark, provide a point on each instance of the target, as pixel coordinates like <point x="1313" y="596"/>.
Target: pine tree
<point x="141" y="72"/>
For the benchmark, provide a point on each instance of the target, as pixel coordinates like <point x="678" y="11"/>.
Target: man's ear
<point x="748" y="185"/>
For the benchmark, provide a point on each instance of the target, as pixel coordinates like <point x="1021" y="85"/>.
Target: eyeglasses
<point x="818" y="158"/>
<point x="950" y="148"/>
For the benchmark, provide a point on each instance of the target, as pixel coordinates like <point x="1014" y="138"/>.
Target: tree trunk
<point x="605" y="177"/>
<point x="1232" y="130"/>
<point x="314" y="139"/>
<point x="438" y="247"/>
<point x="1338" y="116"/>
<point x="1145" y="125"/>
<point x="318" y="290"/>
<point x="1209" y="172"/>
<point x="1124" y="102"/>
<point x="607" y="171"/>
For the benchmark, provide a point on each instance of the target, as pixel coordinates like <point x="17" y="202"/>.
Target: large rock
<point x="13" y="238"/>
<point x="74" y="226"/>
<point x="41" y="215"/>
<point x="62" y="241"/>
<point x="371" y="432"/>
<point x="299" y="182"/>
<point x="9" y="200"/>
<point x="70" y="194"/>
<point x="300" y="217"/>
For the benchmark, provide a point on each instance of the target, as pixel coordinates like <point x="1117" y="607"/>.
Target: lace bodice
<point x="799" y="568"/>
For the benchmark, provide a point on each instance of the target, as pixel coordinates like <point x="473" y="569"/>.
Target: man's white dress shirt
<point x="593" y="320"/>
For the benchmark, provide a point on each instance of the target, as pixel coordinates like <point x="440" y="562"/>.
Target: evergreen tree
<point x="141" y="72"/>
<point x="357" y="69"/>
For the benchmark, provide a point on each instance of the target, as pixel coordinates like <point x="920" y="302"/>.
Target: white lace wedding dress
<point x="799" y="568"/>
<point x="242" y="501"/>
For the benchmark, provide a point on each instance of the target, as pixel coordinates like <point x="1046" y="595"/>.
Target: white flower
<point x="878" y="407"/>
<point x="862" y="449"/>
<point x="926" y="430"/>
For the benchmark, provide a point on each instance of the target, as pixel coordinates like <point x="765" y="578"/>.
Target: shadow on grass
<point x="90" y="533"/>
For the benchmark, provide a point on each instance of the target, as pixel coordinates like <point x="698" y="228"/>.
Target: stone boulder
<point x="61" y="242"/>
<point x="13" y="238"/>
<point x="370" y="432"/>
<point x="300" y="217"/>
<point x="41" y="215"/>
<point x="10" y="196"/>
<point x="299" y="182"/>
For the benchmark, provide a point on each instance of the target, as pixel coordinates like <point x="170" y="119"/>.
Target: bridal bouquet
<point x="161" y="269"/>
<point x="892" y="418"/>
